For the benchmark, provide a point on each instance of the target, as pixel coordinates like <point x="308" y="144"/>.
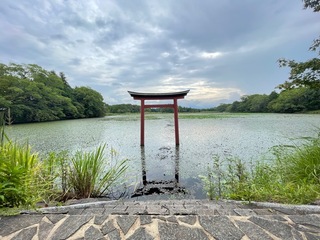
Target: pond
<point x="160" y="163"/>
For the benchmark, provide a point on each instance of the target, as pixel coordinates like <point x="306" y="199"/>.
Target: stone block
<point x="171" y="231"/>
<point x="126" y="222"/>
<point x="140" y="234"/>
<point x="93" y="233"/>
<point x="220" y="227"/>
<point x="70" y="226"/>
<point x="26" y="234"/>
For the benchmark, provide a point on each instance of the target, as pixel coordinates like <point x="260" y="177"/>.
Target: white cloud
<point x="218" y="49"/>
<point x="211" y="55"/>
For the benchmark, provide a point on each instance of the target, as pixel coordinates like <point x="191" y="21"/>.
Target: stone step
<point x="183" y="219"/>
<point x="175" y="207"/>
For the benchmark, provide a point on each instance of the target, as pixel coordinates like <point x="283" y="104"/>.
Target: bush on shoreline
<point x="292" y="177"/>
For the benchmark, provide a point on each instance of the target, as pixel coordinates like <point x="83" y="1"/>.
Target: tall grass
<point x="214" y="181"/>
<point x="91" y="174"/>
<point x="300" y="163"/>
<point x="293" y="176"/>
<point x="54" y="174"/>
<point x="2" y="124"/>
<point x="25" y="179"/>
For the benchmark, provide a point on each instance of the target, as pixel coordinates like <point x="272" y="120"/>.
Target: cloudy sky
<point x="219" y="49"/>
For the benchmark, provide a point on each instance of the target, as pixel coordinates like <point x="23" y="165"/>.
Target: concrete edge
<point x="308" y="209"/>
<point x="302" y="208"/>
<point x="75" y="206"/>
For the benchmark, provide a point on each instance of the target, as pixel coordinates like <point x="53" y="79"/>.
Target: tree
<point x="315" y="4"/>
<point x="304" y="74"/>
<point x="296" y="100"/>
<point x="222" y="107"/>
<point x="91" y="102"/>
<point x="34" y="95"/>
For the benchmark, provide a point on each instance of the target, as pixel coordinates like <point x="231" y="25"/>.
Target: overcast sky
<point x="219" y="49"/>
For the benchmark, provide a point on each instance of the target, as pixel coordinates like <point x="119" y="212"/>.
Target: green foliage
<point x="123" y="108"/>
<point x="300" y="163"/>
<point x="25" y="180"/>
<point x="10" y="211"/>
<point x="2" y="125"/>
<point x="293" y="177"/>
<point x="249" y="103"/>
<point x="213" y="182"/>
<point x="90" y="175"/>
<point x="91" y="102"/>
<point x="293" y="100"/>
<point x="19" y="175"/>
<point x="54" y="175"/>
<point x="302" y="74"/>
<point x="130" y="108"/>
<point x="34" y="94"/>
<point x="82" y="175"/>
<point x="314" y="4"/>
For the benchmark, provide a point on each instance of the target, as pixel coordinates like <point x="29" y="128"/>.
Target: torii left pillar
<point x="159" y="96"/>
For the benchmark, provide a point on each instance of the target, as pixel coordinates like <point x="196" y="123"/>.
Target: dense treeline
<point x="123" y="108"/>
<point x="130" y="108"/>
<point x="294" y="100"/>
<point x="34" y="94"/>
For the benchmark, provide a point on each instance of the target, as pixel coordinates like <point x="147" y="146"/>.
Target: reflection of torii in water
<point x="159" y="187"/>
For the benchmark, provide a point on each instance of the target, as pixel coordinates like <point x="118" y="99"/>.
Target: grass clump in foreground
<point x="292" y="177"/>
<point x="25" y="179"/>
<point x="90" y="176"/>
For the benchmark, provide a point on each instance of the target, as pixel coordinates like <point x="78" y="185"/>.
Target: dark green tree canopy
<point x="34" y="94"/>
<point x="314" y="4"/>
<point x="302" y="74"/>
<point x="302" y="99"/>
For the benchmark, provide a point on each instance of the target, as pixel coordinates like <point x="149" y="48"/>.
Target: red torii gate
<point x="159" y="96"/>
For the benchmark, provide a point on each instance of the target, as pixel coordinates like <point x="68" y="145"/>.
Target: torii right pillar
<point x="159" y="96"/>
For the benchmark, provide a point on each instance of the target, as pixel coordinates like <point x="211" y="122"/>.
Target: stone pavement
<point x="177" y="219"/>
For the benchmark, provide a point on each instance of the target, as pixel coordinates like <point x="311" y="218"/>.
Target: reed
<point x="300" y="163"/>
<point x="25" y="179"/>
<point x="292" y="177"/>
<point x="91" y="174"/>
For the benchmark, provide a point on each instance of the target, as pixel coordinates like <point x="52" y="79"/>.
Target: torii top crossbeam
<point x="159" y="96"/>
